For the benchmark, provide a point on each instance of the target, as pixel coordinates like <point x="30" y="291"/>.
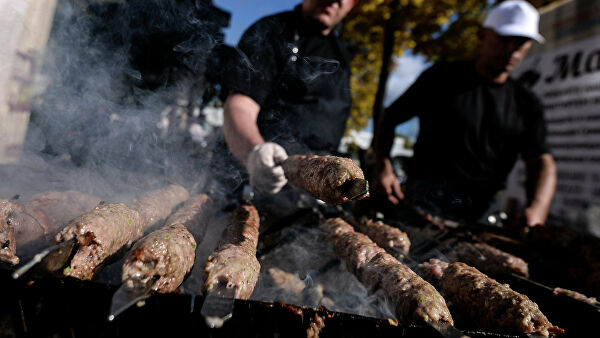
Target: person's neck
<point x="489" y="74"/>
<point x="314" y="26"/>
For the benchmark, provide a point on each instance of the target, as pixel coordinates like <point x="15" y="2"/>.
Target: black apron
<point x="311" y="102"/>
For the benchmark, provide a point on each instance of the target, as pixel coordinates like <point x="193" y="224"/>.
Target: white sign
<point x="567" y="80"/>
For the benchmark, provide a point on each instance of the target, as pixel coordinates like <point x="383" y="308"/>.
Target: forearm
<point x="384" y="140"/>
<point x="239" y="126"/>
<point x="541" y="181"/>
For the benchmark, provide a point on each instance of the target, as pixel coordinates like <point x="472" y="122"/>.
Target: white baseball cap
<point x="514" y="18"/>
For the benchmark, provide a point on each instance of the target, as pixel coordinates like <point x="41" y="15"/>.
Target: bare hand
<point x="387" y="184"/>
<point x="533" y="216"/>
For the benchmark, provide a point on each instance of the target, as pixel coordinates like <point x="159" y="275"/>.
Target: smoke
<point x="317" y="66"/>
<point x="303" y="270"/>
<point x="109" y="71"/>
<point x="120" y="84"/>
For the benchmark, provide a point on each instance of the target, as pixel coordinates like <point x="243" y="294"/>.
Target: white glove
<point x="266" y="175"/>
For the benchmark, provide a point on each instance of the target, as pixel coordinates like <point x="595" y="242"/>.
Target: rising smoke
<point x="120" y="83"/>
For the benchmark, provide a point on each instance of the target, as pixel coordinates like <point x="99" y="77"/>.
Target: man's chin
<point x="325" y="20"/>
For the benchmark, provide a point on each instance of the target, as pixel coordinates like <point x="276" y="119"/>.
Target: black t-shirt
<point x="300" y="79"/>
<point x="471" y="130"/>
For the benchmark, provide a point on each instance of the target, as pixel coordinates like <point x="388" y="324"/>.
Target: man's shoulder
<point x="448" y="68"/>
<point x="444" y="73"/>
<point x="523" y="92"/>
<point x="273" y="24"/>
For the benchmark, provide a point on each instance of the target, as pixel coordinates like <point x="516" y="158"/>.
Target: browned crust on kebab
<point x="167" y="253"/>
<point x="433" y="270"/>
<point x="389" y="238"/>
<point x="234" y="261"/>
<point x="414" y="299"/>
<point x="53" y="210"/>
<point x="492" y="305"/>
<point x="491" y="260"/>
<point x="322" y="176"/>
<point x="42" y="217"/>
<point x="8" y="247"/>
<point x="157" y="205"/>
<point x="194" y="213"/>
<point x="100" y="233"/>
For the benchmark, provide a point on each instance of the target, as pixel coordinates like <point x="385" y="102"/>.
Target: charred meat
<point x="167" y="253"/>
<point x="389" y="238"/>
<point x="331" y="179"/>
<point x="194" y="213"/>
<point x="414" y="299"/>
<point x="39" y="220"/>
<point x="493" y="305"/>
<point x="54" y="209"/>
<point x="234" y="262"/>
<point x="110" y="227"/>
<point x="100" y="233"/>
<point x="156" y="205"/>
<point x="489" y="259"/>
<point x="8" y="248"/>
<point x="575" y="295"/>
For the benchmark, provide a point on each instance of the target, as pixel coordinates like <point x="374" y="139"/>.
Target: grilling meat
<point x="169" y="252"/>
<point x="156" y="205"/>
<point x="8" y="244"/>
<point x="414" y="299"/>
<point x="391" y="239"/>
<point x="194" y="213"/>
<point x="37" y="222"/>
<point x="492" y="305"/>
<point x="100" y="233"/>
<point x="324" y="177"/>
<point x="433" y="270"/>
<point x="489" y="259"/>
<point x="575" y="295"/>
<point x="234" y="263"/>
<point x="110" y="227"/>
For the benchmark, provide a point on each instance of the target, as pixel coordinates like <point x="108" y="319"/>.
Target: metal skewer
<point x="49" y="259"/>
<point x="129" y="293"/>
<point x="218" y="305"/>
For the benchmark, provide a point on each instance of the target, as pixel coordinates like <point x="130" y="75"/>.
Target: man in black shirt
<point x="474" y="123"/>
<point x="291" y="92"/>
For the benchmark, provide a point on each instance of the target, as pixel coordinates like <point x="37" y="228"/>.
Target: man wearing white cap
<point x="475" y="122"/>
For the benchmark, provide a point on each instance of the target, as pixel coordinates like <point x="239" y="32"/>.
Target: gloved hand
<point x="266" y="176"/>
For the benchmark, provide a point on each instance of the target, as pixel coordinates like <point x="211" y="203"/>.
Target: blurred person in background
<point x="290" y="90"/>
<point x="475" y="121"/>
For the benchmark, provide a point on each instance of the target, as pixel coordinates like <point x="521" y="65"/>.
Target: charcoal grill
<point x="55" y="306"/>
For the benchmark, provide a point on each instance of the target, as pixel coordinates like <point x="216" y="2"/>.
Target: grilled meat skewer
<point x="233" y="264"/>
<point x="169" y="252"/>
<point x="8" y="249"/>
<point x="38" y="221"/>
<point x="332" y="179"/>
<point x="490" y="304"/>
<point x="489" y="259"/>
<point x="387" y="237"/>
<point x="156" y="205"/>
<point x="414" y="299"/>
<point x="109" y="227"/>
<point x="194" y="214"/>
